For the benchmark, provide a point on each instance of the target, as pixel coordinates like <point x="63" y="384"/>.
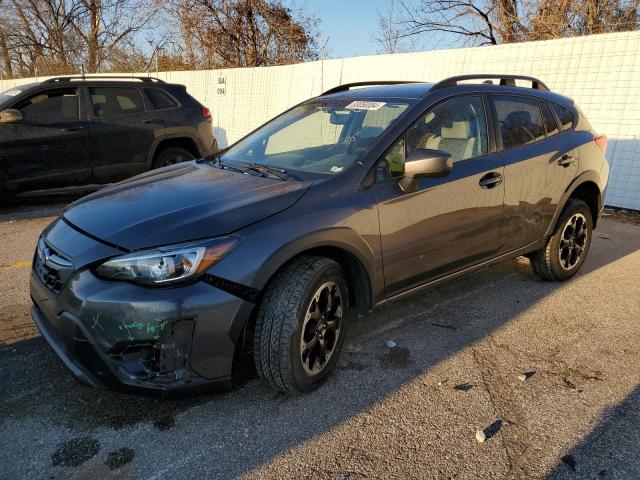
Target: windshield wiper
<point x="265" y="170"/>
<point x="215" y="160"/>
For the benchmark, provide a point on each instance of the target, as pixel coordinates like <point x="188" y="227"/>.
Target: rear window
<point x="567" y="117"/>
<point x="520" y="121"/>
<point x="159" y="99"/>
<point x="115" y="101"/>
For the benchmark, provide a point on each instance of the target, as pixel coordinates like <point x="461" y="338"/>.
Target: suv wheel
<point x="172" y="155"/>
<point x="300" y="324"/>
<point x="568" y="246"/>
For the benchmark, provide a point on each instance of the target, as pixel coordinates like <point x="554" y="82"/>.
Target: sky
<point x="348" y="25"/>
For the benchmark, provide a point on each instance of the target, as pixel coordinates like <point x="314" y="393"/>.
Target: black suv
<point x="343" y="202"/>
<point x="74" y="131"/>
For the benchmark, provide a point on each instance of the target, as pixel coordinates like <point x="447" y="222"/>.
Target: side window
<point x="566" y="116"/>
<point x="520" y="121"/>
<point x="550" y="125"/>
<point x="159" y="99"/>
<point x="54" y="106"/>
<point x="115" y="100"/>
<point x="457" y="127"/>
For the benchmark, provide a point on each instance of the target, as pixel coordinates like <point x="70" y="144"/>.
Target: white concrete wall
<point x="600" y="72"/>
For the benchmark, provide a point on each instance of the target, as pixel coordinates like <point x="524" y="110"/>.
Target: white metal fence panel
<point x="600" y="72"/>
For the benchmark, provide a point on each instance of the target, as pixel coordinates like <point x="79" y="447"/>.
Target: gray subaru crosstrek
<point x="361" y="195"/>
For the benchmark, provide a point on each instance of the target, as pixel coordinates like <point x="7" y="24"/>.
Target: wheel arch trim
<point x="590" y="177"/>
<point x="339" y="243"/>
<point x="157" y="143"/>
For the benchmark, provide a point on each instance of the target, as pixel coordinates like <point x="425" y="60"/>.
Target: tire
<point x="172" y="155"/>
<point x="287" y="312"/>
<point x="573" y="231"/>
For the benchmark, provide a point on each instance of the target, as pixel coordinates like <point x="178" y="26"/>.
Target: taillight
<point x="601" y="141"/>
<point x="206" y="113"/>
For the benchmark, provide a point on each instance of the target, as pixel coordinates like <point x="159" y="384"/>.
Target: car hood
<point x="181" y="203"/>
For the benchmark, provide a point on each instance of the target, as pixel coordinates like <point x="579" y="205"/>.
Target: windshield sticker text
<point x="362" y="105"/>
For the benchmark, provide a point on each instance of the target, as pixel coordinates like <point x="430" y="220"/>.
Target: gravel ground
<point x="412" y="411"/>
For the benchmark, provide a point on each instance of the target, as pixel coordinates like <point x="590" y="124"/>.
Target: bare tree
<point x="481" y="22"/>
<point x="245" y="33"/>
<point x="48" y="37"/>
<point x="390" y="35"/>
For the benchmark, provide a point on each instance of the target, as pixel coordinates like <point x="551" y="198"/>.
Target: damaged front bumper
<point x="124" y="336"/>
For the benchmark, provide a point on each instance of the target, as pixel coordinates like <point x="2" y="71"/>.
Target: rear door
<point x="50" y="147"/>
<point x="122" y="131"/>
<point x="540" y="162"/>
<point x="448" y="223"/>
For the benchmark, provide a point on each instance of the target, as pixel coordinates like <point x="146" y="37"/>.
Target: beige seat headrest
<point x="460" y="130"/>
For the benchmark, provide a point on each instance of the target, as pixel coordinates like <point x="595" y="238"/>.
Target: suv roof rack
<point x="347" y="86"/>
<point x="506" y="80"/>
<point x="101" y="77"/>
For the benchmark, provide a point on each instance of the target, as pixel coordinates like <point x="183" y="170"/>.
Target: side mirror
<point x="422" y="163"/>
<point x="10" y="115"/>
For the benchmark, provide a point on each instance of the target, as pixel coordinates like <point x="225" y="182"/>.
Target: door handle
<point x="150" y="120"/>
<point x="491" y="180"/>
<point x="566" y="160"/>
<point x="72" y="129"/>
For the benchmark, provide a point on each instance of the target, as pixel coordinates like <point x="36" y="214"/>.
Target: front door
<point x="50" y="147"/>
<point x="448" y="223"/>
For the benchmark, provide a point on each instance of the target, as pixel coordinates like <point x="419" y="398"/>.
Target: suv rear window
<point x="115" y="100"/>
<point x="567" y="117"/>
<point x="159" y="99"/>
<point x="520" y="121"/>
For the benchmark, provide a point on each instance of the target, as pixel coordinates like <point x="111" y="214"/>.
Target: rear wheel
<point x="300" y="324"/>
<point x="172" y="155"/>
<point x="568" y="246"/>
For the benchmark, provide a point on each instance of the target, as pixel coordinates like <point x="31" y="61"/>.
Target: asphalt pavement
<point x="547" y="373"/>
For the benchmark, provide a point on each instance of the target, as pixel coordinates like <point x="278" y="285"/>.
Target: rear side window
<point x="115" y="101"/>
<point x="54" y="106"/>
<point x="159" y="99"/>
<point x="551" y="127"/>
<point x="567" y="117"/>
<point x="520" y="121"/>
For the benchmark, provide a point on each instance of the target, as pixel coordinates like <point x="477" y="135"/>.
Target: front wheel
<point x="300" y="324"/>
<point x="568" y="246"/>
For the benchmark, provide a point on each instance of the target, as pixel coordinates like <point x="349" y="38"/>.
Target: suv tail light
<point x="601" y="141"/>
<point x="206" y="113"/>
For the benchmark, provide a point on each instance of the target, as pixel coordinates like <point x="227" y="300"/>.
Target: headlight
<point x="166" y="265"/>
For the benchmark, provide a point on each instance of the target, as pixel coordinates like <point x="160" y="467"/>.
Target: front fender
<point x="348" y="224"/>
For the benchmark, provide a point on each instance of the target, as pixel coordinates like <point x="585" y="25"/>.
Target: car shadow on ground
<point x="254" y="423"/>
<point x="611" y="450"/>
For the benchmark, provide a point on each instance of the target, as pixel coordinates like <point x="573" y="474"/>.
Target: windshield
<point x="321" y="136"/>
<point x="9" y="94"/>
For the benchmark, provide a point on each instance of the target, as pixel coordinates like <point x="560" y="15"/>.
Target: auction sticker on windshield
<point x="362" y="105"/>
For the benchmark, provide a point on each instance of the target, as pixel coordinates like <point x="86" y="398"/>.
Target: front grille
<point x="51" y="267"/>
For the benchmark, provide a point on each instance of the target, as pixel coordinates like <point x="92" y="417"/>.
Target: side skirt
<point x="507" y="256"/>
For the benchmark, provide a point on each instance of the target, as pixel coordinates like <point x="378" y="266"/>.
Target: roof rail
<point x="347" y="86"/>
<point x="101" y="77"/>
<point x="507" y="80"/>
